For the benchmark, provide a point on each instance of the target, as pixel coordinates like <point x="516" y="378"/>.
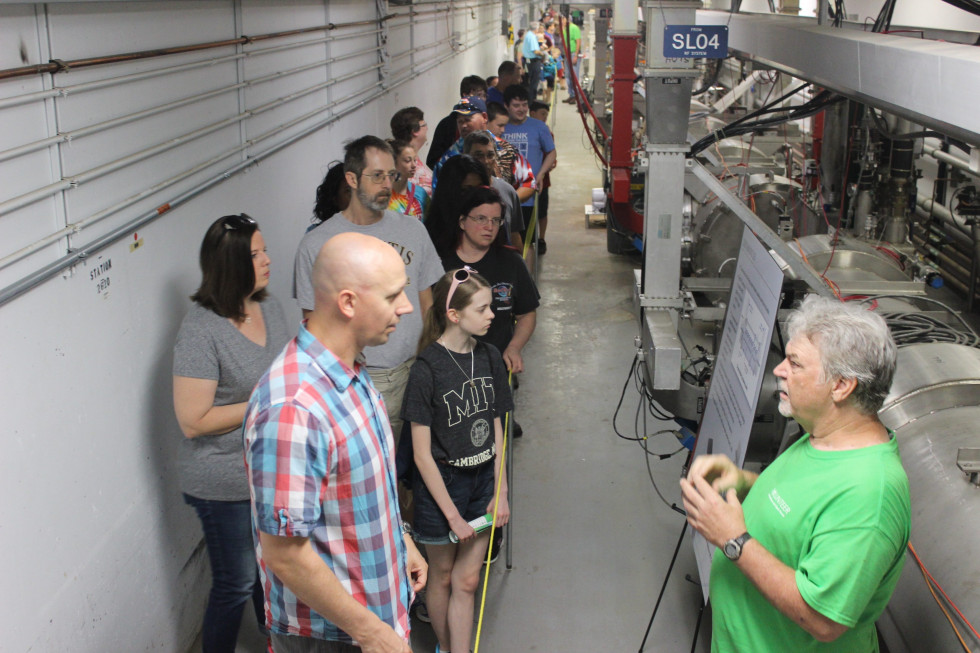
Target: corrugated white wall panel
<point x="103" y="552"/>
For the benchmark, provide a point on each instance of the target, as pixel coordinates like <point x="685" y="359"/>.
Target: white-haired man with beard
<point x="369" y="168"/>
<point x="809" y="558"/>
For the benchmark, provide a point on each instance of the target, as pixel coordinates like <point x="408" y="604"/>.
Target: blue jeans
<point x="470" y="488"/>
<point x="234" y="571"/>
<point x="533" y="77"/>
<point x="568" y="78"/>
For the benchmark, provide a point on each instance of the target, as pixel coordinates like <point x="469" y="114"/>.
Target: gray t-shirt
<point x="513" y="216"/>
<point x="410" y="239"/>
<point x="459" y="409"/>
<point x="210" y="347"/>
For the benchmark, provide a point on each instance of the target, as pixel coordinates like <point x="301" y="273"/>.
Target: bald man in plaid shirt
<point x="338" y="568"/>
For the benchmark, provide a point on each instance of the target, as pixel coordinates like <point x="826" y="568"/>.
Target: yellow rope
<point x="503" y="454"/>
<point x="503" y="467"/>
<point x="530" y="229"/>
<point x="493" y="529"/>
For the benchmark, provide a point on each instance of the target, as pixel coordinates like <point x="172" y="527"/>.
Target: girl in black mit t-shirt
<point x="457" y="394"/>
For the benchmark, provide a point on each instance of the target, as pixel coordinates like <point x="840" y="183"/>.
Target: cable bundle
<point x="913" y="328"/>
<point x="818" y="103"/>
<point x="972" y="6"/>
<point x="838" y="14"/>
<point x="636" y="374"/>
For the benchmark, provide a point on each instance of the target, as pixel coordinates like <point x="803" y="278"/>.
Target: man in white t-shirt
<point x="369" y="168"/>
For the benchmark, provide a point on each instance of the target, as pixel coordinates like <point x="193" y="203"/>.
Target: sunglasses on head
<point x="235" y="222"/>
<point x="459" y="276"/>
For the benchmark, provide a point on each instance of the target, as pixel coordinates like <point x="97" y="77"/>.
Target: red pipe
<point x="621" y="154"/>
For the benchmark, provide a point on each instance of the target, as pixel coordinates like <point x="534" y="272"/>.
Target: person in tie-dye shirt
<point x="409" y="124"/>
<point x="406" y="197"/>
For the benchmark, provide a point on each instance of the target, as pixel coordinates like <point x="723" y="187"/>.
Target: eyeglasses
<point x="235" y="222"/>
<point x="379" y="177"/>
<point x="459" y="276"/>
<point x="484" y="219"/>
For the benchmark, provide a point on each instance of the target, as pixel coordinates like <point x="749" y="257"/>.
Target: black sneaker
<point x="518" y="431"/>
<point x="495" y="546"/>
<point x="542" y="247"/>
<point x="421" y="611"/>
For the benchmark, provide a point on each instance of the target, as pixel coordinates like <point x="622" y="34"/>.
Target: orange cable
<point x="948" y="618"/>
<point x="940" y="588"/>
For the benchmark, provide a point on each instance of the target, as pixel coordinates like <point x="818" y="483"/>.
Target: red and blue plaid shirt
<point x="320" y="461"/>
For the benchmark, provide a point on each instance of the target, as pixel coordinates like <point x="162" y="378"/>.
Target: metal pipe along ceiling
<point x="99" y="171"/>
<point x="68" y="136"/>
<point x="57" y="65"/>
<point x="65" y="91"/>
<point x="376" y="90"/>
<point x="74" y="180"/>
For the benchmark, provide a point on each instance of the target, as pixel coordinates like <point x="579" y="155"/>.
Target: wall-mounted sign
<point x="99" y="274"/>
<point x="696" y="41"/>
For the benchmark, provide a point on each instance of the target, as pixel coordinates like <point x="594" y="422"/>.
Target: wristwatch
<point x="733" y="547"/>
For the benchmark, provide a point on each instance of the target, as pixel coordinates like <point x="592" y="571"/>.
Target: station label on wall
<point x="99" y="275"/>
<point x="696" y="41"/>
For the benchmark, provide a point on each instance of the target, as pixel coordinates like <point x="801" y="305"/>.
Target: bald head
<point x="359" y="284"/>
<point x="352" y="261"/>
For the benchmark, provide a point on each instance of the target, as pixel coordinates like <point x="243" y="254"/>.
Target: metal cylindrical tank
<point x="718" y="231"/>
<point x="934" y="409"/>
<point x="849" y="260"/>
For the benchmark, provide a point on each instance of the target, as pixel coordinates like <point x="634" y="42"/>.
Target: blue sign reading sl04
<point x="696" y="41"/>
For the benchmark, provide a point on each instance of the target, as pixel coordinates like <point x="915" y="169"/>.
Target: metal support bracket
<point x="667" y="148"/>
<point x="668" y="73"/>
<point x="968" y="460"/>
<point x="660" y="302"/>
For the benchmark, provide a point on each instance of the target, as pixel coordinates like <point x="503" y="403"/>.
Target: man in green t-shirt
<point x="811" y="557"/>
<point x="572" y="33"/>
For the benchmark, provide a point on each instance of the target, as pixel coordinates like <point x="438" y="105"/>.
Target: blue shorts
<point x="471" y="490"/>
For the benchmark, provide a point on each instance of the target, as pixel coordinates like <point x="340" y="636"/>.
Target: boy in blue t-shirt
<point x="533" y="140"/>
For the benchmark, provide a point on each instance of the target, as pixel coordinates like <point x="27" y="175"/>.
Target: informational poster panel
<point x="739" y="366"/>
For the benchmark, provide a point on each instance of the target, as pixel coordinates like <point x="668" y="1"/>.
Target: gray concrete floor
<point x="591" y="541"/>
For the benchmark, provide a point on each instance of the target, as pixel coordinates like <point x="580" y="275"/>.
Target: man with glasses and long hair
<point x="369" y="169"/>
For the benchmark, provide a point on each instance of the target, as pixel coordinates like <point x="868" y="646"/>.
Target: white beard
<point x="785" y="409"/>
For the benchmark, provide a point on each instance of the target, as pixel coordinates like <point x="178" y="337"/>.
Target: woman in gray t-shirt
<point x="225" y="344"/>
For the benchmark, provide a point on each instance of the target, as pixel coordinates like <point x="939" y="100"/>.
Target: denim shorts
<point x="471" y="490"/>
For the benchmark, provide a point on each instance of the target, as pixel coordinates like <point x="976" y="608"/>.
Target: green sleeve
<point x="842" y="572"/>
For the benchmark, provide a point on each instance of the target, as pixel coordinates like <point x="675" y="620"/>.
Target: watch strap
<point x="733" y="547"/>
